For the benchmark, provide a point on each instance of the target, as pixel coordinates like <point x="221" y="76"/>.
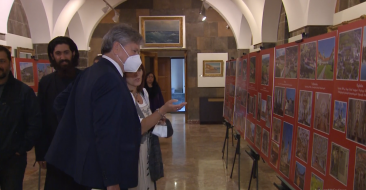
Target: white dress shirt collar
<point x="114" y="63"/>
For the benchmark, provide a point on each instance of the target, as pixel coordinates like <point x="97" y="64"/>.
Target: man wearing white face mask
<point x="98" y="138"/>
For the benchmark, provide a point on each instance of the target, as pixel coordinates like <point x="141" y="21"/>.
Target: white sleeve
<point x="134" y="102"/>
<point x="146" y="96"/>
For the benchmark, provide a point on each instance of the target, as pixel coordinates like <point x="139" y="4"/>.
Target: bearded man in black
<point x="64" y="57"/>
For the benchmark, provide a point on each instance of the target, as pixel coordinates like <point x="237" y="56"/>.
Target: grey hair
<point x="123" y="34"/>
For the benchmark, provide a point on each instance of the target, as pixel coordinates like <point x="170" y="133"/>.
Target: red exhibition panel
<point x="284" y="105"/>
<point x="253" y="129"/>
<point x="306" y="108"/>
<point x="347" y="149"/>
<point x="229" y="90"/>
<point x="27" y="72"/>
<point x="31" y="71"/>
<point x="313" y="113"/>
<point x="241" y="94"/>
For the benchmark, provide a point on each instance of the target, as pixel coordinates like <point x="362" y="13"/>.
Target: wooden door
<point x="148" y="60"/>
<point x="162" y="71"/>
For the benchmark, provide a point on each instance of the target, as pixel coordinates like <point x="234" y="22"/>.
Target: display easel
<point x="255" y="157"/>
<point x="226" y="141"/>
<point x="284" y="185"/>
<point x="237" y="152"/>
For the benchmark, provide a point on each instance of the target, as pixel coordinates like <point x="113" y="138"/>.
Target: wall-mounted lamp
<point x="202" y="15"/>
<point x="106" y="9"/>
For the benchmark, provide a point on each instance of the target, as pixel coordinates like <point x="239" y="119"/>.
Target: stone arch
<point x="240" y="28"/>
<point x="270" y="21"/>
<point x="17" y="21"/>
<point x="38" y="20"/>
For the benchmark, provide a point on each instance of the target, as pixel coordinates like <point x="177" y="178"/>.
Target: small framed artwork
<point x="213" y="68"/>
<point x="159" y="31"/>
<point x="25" y="53"/>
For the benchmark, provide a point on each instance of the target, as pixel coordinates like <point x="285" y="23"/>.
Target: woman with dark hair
<point x="150" y="160"/>
<point x="153" y="88"/>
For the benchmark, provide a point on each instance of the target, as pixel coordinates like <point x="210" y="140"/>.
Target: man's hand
<point x="113" y="187"/>
<point x="43" y="164"/>
<point x="17" y="153"/>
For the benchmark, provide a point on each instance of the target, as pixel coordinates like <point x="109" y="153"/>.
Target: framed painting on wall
<point x="213" y="68"/>
<point x="25" y="53"/>
<point x="162" y="31"/>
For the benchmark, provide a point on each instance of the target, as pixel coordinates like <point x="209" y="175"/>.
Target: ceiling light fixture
<point x="106" y="9"/>
<point x="202" y="15"/>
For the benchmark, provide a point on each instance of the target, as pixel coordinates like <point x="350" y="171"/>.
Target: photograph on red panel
<point x="305" y="105"/>
<point x="43" y="69"/>
<point x="291" y="62"/>
<point x="26" y="73"/>
<point x="286" y="148"/>
<point x="359" y="181"/>
<point x="265" y="142"/>
<point x="316" y="182"/>
<point x="339" y="116"/>
<point x="322" y="112"/>
<point x="276" y="129"/>
<point x="250" y="105"/>
<point x="265" y="69"/>
<point x="259" y="106"/>
<point x="232" y="68"/>
<point x="254" y="106"/>
<point x="339" y="163"/>
<point x="319" y="154"/>
<point x="349" y="54"/>
<point x="244" y="96"/>
<point x="258" y="135"/>
<point x="363" y="63"/>
<point x="244" y="75"/>
<point x="274" y="154"/>
<point x="268" y="111"/>
<point x="326" y="54"/>
<point x="290" y="102"/>
<point x="280" y="63"/>
<point x="356" y="122"/>
<point x="279" y="101"/>
<point x="263" y="109"/>
<point x="299" y="179"/>
<point x="307" y="60"/>
<point x="252" y="70"/>
<point x="302" y="144"/>
<point x="250" y="129"/>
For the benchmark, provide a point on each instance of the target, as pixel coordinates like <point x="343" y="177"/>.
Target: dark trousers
<point x="12" y="172"/>
<point x="58" y="180"/>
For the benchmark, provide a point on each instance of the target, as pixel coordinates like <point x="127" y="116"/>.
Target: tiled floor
<point x="192" y="161"/>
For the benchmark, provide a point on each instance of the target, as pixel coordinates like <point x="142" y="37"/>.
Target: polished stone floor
<point x="192" y="161"/>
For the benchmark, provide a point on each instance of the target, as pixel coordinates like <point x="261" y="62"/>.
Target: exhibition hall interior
<point x="275" y="89"/>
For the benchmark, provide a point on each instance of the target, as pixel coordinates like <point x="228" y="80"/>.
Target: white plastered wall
<point x="210" y="81"/>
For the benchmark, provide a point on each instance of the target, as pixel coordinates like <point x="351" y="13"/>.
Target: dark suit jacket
<point x="48" y="88"/>
<point x="98" y="138"/>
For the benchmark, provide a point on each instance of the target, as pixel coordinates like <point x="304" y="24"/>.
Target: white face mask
<point x="132" y="63"/>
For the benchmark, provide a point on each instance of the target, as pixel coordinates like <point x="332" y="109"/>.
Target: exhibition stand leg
<point x="284" y="185"/>
<point x="237" y="152"/>
<point x="255" y="157"/>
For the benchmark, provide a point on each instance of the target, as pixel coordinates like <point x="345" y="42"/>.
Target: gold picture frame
<point x="213" y="68"/>
<point x="162" y="31"/>
<point x="25" y="53"/>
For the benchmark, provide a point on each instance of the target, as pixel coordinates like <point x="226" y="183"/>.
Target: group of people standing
<point x="91" y="128"/>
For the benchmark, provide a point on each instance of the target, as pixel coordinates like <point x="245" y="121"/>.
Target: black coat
<point x="49" y="87"/>
<point x="98" y="139"/>
<point x="20" y="118"/>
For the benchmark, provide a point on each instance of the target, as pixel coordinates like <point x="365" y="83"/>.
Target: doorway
<point x="170" y="70"/>
<point x="178" y="80"/>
